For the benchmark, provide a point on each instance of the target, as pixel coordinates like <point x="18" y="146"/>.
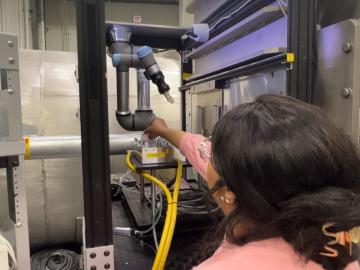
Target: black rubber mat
<point x="140" y="212"/>
<point x="130" y="253"/>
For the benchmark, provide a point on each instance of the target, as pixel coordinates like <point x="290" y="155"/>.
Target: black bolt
<point x="15" y="163"/>
<point x="107" y="266"/>
<point x="92" y="255"/>
<point x="106" y="253"/>
<point x="93" y="267"/>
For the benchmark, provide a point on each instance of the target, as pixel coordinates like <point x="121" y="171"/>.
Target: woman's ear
<point x="229" y="196"/>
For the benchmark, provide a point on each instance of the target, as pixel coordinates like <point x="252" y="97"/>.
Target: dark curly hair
<point x="292" y="170"/>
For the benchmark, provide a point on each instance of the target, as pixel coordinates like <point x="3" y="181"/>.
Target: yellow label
<point x="290" y="57"/>
<point x="186" y="76"/>
<point x="156" y="155"/>
<point x="27" y="148"/>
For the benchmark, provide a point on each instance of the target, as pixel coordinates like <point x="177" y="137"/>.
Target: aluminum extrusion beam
<point x="302" y="41"/>
<point x="70" y="146"/>
<point x="90" y="22"/>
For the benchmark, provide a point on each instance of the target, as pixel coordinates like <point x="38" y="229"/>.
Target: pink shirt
<point x="270" y="254"/>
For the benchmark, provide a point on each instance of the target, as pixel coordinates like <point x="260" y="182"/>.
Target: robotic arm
<point x="125" y="55"/>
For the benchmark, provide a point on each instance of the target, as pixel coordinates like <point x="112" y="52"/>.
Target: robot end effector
<point x="153" y="71"/>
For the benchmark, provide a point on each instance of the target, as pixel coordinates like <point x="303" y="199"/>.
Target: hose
<point x="152" y="227"/>
<point x="4" y="244"/>
<point x="174" y="214"/>
<point x="171" y="212"/>
<point x="156" y="265"/>
<point x="55" y="260"/>
<point x="127" y="231"/>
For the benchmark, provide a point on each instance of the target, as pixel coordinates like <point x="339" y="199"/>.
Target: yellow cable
<point x="171" y="213"/>
<point x="170" y="233"/>
<point x="168" y="214"/>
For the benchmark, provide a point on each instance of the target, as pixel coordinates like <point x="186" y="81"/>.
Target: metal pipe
<point x="70" y="146"/>
<point x="122" y="80"/>
<point x="143" y="87"/>
<point x="273" y="61"/>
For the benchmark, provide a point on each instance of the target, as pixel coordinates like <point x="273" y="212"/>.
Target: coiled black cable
<point x="55" y="260"/>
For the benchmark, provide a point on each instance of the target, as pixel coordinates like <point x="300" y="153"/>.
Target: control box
<point x="157" y="151"/>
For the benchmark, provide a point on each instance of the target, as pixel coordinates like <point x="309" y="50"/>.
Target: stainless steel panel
<point x="31" y="76"/>
<point x="37" y="202"/>
<point x="203" y="87"/>
<point x="334" y="11"/>
<point x="338" y="70"/>
<point x="246" y="89"/>
<point x="64" y="198"/>
<point x="209" y="104"/>
<point x="270" y="39"/>
<point x="203" y="116"/>
<point x="50" y="105"/>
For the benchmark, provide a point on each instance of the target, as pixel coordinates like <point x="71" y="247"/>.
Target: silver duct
<point x="70" y="146"/>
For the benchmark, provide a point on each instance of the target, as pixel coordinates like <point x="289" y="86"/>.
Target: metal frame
<point x="94" y="134"/>
<point x="186" y="71"/>
<point x="273" y="61"/>
<point x="16" y="181"/>
<point x="12" y="151"/>
<point x="302" y="31"/>
<point x="229" y="7"/>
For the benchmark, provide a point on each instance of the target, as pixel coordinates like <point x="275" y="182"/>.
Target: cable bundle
<point x="55" y="260"/>
<point x="170" y="219"/>
<point x="5" y="245"/>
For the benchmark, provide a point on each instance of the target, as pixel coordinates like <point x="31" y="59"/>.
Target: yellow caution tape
<point x="186" y="76"/>
<point x="156" y="155"/>
<point x="290" y="57"/>
<point x="27" y="147"/>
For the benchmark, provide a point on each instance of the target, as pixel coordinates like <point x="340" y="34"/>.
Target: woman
<point x="286" y="178"/>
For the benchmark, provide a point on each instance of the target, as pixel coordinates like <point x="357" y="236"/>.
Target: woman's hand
<point x="156" y="128"/>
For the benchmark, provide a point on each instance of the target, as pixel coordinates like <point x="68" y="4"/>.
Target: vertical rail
<point x="94" y="122"/>
<point x="302" y="42"/>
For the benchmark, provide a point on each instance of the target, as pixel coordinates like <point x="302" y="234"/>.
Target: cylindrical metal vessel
<point x="43" y="147"/>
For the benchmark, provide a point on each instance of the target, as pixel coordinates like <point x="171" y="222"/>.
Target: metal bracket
<point x="99" y="258"/>
<point x="11" y="161"/>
